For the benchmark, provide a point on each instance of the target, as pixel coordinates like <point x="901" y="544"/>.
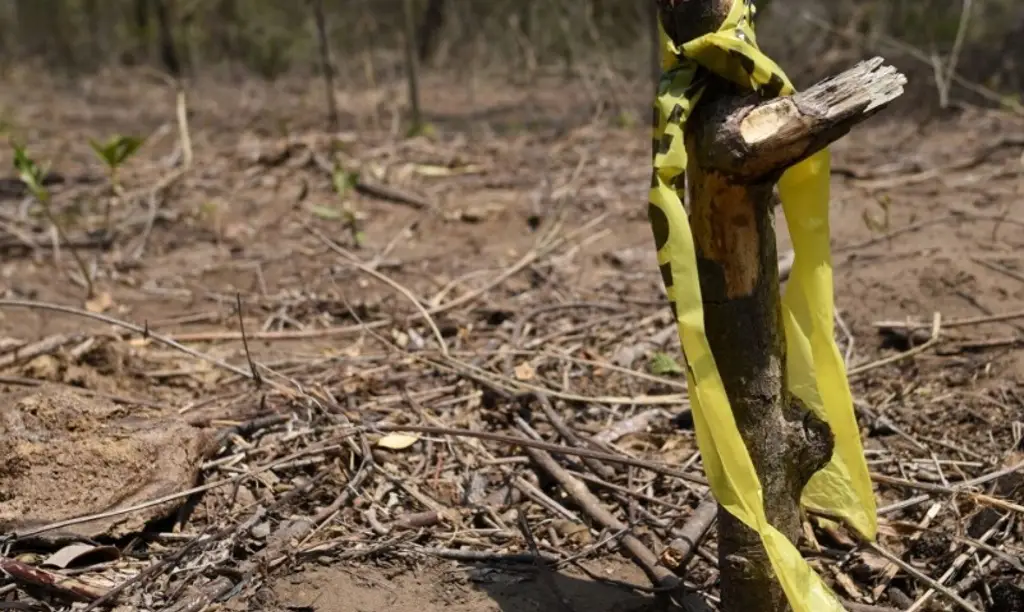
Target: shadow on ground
<point x="454" y="587"/>
<point x="556" y="591"/>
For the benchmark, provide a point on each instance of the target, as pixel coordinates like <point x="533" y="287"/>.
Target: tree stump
<point x="740" y="145"/>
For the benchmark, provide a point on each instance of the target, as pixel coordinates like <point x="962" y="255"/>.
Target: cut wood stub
<point x="755" y="140"/>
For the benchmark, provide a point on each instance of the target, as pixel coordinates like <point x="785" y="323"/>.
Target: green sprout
<point x="114" y="153"/>
<point x="343" y="182"/>
<point x="31" y="174"/>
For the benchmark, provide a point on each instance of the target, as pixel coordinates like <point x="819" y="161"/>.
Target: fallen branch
<point x="57" y="585"/>
<point x="658" y="575"/>
<point x="680" y="550"/>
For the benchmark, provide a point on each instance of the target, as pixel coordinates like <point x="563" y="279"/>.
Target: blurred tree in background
<point x="509" y="39"/>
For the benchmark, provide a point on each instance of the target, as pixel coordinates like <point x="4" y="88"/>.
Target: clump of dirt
<point x="64" y="455"/>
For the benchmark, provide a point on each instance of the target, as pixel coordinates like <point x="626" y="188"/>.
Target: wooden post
<point x="740" y="145"/>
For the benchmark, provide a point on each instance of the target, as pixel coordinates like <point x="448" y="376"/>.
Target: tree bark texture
<point x="733" y="229"/>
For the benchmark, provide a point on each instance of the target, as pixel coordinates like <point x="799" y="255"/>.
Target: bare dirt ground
<point x="520" y="229"/>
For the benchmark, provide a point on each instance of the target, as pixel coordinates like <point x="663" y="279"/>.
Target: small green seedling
<point x="343" y="182"/>
<point x="31" y="175"/>
<point x="114" y="153"/>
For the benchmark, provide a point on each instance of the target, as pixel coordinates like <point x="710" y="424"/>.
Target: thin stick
<point x="181" y="112"/>
<point x="466" y="370"/>
<point x="588" y="502"/>
<point x="891" y="569"/>
<point x="949" y="324"/>
<point x="442" y="346"/>
<point x="173" y="496"/>
<point x="469" y="370"/>
<point x="65" y="587"/>
<point x="543" y="571"/>
<point x="33" y="305"/>
<point x="954" y="55"/>
<point x="936" y="323"/>
<point x="998" y="268"/>
<point x="42" y="347"/>
<point x="916" y="573"/>
<point x="959" y="562"/>
<point x="245" y="343"/>
<point x="300" y="334"/>
<point x="517" y="267"/>
<point x="985" y="92"/>
<point x="149" y="572"/>
<point x="594" y="480"/>
<point x="43" y="197"/>
<point x="680" y="550"/>
<point x="546" y="446"/>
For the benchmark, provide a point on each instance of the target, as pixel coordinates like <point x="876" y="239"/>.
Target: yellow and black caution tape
<point x="814" y="368"/>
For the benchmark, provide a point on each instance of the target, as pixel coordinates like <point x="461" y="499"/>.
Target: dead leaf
<point x="525" y="371"/>
<point x="577" y="533"/>
<point x="81" y="555"/>
<point x="397" y="441"/>
<point x="100" y="303"/>
<point x="847" y="583"/>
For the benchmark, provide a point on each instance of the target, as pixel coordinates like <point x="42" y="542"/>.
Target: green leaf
<point x="29" y="171"/>
<point x="663" y="364"/>
<point x="117" y="149"/>
<point x="326" y="212"/>
<point x="127" y="146"/>
<point x="101" y="152"/>
<point x="344" y="181"/>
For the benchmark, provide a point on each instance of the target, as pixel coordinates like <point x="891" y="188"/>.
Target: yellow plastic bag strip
<point x="814" y="368"/>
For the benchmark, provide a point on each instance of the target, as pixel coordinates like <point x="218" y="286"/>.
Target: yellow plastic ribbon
<point x="814" y="368"/>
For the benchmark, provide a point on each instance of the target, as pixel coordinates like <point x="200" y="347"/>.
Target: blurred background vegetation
<point x="512" y="40"/>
